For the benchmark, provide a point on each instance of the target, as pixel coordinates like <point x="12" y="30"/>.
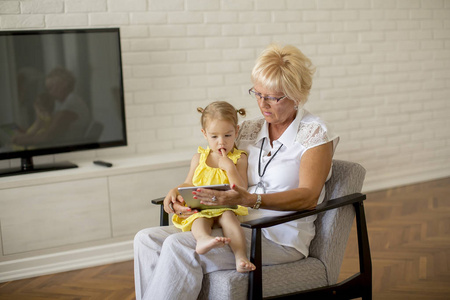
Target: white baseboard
<point x="65" y="261"/>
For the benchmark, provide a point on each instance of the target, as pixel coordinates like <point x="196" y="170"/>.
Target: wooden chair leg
<point x="365" y="261"/>
<point x="255" y="277"/>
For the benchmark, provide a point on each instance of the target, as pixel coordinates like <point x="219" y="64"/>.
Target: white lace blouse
<point x="282" y="173"/>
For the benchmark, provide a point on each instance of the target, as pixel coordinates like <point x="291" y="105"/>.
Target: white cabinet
<point x="68" y="219"/>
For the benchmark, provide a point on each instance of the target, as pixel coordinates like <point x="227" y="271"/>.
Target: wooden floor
<point x="409" y="232"/>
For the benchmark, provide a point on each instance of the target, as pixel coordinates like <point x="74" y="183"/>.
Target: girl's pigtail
<point x="241" y="111"/>
<point x="200" y="110"/>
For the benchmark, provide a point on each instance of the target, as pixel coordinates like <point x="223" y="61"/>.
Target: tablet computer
<point x="186" y="193"/>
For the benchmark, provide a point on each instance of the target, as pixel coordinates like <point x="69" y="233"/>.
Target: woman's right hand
<point x="235" y="196"/>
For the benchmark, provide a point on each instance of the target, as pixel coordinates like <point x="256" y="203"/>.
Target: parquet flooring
<point x="409" y="233"/>
<point x="109" y="282"/>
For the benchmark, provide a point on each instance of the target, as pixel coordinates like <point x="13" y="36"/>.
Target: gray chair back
<point x="347" y="178"/>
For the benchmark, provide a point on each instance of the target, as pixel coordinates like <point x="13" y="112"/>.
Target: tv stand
<point x="27" y="167"/>
<point x="82" y="217"/>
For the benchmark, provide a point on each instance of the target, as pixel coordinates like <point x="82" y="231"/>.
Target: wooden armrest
<point x="255" y="277"/>
<point x="330" y="204"/>
<point x="272" y="221"/>
<point x="158" y="201"/>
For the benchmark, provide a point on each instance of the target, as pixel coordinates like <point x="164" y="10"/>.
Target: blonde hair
<point x="220" y="110"/>
<point x="286" y="70"/>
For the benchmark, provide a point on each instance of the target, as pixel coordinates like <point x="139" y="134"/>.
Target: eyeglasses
<point x="268" y="99"/>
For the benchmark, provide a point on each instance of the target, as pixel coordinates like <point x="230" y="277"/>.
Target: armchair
<point x="314" y="277"/>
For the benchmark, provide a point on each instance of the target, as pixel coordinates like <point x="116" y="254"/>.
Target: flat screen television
<point x="60" y="91"/>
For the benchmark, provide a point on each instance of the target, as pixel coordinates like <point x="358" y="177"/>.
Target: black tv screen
<point x="60" y="91"/>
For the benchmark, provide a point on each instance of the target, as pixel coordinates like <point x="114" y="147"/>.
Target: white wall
<point x="383" y="70"/>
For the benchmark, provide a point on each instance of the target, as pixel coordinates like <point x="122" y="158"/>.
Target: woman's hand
<point x="174" y="203"/>
<point x="183" y="211"/>
<point x="235" y="196"/>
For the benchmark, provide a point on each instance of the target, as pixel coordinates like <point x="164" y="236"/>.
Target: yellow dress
<point x="205" y="175"/>
<point x="46" y="120"/>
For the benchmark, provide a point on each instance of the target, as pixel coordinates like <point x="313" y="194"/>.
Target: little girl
<point x="220" y="163"/>
<point x="43" y="108"/>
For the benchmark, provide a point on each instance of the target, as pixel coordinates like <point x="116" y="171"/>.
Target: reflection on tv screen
<point x="60" y="89"/>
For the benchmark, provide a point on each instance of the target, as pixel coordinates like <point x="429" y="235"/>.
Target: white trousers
<point x="166" y="265"/>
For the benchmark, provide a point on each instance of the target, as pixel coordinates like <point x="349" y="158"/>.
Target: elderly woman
<point x="290" y="156"/>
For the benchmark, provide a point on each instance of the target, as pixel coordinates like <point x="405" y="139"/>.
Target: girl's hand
<point x="235" y="196"/>
<point x="169" y="200"/>
<point x="225" y="163"/>
<point x="172" y="197"/>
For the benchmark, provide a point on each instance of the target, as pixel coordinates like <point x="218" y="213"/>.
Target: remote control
<point x="103" y="163"/>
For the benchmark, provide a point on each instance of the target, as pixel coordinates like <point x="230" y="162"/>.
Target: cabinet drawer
<point x="51" y="215"/>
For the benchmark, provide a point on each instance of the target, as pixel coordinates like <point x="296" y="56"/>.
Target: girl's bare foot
<point x="243" y="265"/>
<point x="206" y="244"/>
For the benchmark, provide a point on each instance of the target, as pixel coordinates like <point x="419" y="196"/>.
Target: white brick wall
<point x="383" y="70"/>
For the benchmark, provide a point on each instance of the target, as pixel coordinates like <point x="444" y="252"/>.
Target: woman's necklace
<point x="260" y="184"/>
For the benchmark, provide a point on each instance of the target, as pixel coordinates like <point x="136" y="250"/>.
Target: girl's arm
<point x="237" y="173"/>
<point x="173" y="196"/>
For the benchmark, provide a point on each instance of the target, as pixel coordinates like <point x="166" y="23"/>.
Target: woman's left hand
<point x="235" y="196"/>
